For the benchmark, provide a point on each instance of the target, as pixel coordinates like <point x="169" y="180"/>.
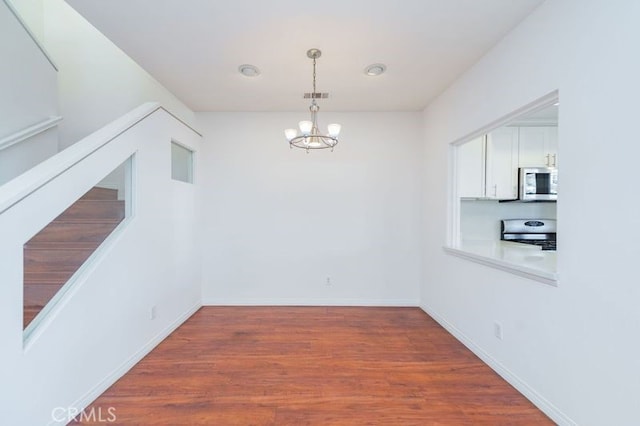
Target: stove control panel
<point x="525" y="226"/>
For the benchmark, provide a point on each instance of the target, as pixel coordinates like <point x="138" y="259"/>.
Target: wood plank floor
<point x="314" y="366"/>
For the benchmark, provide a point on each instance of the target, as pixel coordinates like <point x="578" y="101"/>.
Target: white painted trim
<point x="29" y="132"/>
<point x="538" y="400"/>
<point x="33" y="37"/>
<point x="546" y="277"/>
<point x="310" y="302"/>
<point x="84" y="401"/>
<point x="537" y="105"/>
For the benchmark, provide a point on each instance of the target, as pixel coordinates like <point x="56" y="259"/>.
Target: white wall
<point x="28" y="96"/>
<point x="32" y="13"/>
<point x="102" y="325"/>
<point x="280" y="221"/>
<point x="573" y="349"/>
<point x="27" y="79"/>
<point x="17" y="159"/>
<point x="97" y="81"/>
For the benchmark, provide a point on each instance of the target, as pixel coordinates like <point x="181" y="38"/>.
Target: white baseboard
<point x="84" y="401"/>
<point x="309" y="302"/>
<point x="538" y="400"/>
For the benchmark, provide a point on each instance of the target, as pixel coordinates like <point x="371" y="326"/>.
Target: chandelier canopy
<point x="310" y="137"/>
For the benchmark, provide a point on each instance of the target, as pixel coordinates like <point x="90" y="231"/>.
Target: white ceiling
<point x="194" y="47"/>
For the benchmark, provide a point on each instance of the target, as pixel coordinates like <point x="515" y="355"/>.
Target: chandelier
<point x="310" y="137"/>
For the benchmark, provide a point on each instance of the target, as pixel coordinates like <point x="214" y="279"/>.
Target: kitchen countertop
<point x="521" y="259"/>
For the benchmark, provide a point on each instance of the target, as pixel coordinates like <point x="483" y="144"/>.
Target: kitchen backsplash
<point x="480" y="219"/>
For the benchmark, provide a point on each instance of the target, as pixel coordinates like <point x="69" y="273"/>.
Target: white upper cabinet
<point x="538" y="146"/>
<point x="488" y="166"/>
<point x="502" y="164"/>
<point x="470" y="167"/>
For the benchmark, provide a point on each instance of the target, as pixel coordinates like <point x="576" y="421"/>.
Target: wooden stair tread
<point x="44" y="283"/>
<point x="62" y="245"/>
<point x="44" y="277"/>
<point x="55" y="262"/>
<point x="80" y="231"/>
<point x="78" y="220"/>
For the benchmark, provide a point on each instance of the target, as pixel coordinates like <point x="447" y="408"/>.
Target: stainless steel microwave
<point x="538" y="184"/>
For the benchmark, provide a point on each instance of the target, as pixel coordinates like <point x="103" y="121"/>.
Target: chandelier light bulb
<point x="314" y="142"/>
<point x="305" y="127"/>
<point x="334" y="130"/>
<point x="290" y="134"/>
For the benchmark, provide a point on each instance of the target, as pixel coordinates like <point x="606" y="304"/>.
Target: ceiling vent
<point x="316" y="95"/>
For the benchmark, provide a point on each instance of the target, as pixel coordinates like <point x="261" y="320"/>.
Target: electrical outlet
<point x="328" y="282"/>
<point x="152" y="312"/>
<point x="497" y="330"/>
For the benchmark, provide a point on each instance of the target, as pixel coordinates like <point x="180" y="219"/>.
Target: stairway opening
<point x="54" y="255"/>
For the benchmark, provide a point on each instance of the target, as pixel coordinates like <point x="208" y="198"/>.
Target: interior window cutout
<point x="58" y="251"/>
<point x="506" y="190"/>
<point x="181" y="163"/>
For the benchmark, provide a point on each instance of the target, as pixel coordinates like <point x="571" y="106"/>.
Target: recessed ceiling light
<point x="375" y="69"/>
<point x="249" y="70"/>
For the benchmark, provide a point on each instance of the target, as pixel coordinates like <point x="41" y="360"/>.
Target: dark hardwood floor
<point x="314" y="366"/>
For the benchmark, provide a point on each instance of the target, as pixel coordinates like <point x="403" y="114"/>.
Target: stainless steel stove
<point x="540" y="232"/>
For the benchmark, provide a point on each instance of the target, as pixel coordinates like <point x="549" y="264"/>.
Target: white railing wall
<point x="29" y="132"/>
<point x="102" y="324"/>
<point x="27" y="147"/>
<point x="28" y="81"/>
<point x="28" y="97"/>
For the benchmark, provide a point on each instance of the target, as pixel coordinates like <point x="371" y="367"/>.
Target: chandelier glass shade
<point x="310" y="136"/>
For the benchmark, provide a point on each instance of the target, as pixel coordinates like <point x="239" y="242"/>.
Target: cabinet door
<point x="502" y="164"/>
<point x="538" y="146"/>
<point x="552" y="146"/>
<point x="470" y="168"/>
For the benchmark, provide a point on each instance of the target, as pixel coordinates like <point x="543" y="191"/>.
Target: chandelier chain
<point x="314" y="79"/>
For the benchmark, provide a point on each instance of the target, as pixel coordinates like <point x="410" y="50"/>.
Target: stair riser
<point x="66" y="232"/>
<point x="93" y="210"/>
<point x="52" y="277"/>
<point x="38" y="295"/>
<point x="54" y="260"/>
